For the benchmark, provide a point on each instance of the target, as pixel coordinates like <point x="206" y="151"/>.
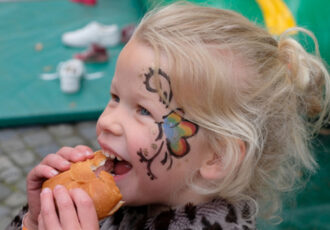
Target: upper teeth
<point x="111" y="155"/>
<point x="118" y="158"/>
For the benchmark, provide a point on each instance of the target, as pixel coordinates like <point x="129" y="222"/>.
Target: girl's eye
<point x="115" y="98"/>
<point x="143" y="111"/>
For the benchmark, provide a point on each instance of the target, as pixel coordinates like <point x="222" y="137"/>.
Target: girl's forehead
<point x="140" y="57"/>
<point x="136" y="85"/>
<point x="121" y="79"/>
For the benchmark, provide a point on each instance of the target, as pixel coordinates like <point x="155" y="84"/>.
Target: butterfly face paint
<point x="177" y="130"/>
<point x="173" y="130"/>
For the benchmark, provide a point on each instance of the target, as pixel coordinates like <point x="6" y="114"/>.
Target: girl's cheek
<point x="152" y="146"/>
<point x="154" y="133"/>
<point x="98" y="129"/>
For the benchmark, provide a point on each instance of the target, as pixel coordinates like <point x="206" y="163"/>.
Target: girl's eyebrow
<point x="143" y="96"/>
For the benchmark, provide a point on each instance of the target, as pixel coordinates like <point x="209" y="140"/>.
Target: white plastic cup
<point x="70" y="74"/>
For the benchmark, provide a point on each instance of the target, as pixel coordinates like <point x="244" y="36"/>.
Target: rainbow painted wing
<point x="177" y="130"/>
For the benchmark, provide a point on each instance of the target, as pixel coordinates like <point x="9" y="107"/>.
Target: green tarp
<point x="24" y="97"/>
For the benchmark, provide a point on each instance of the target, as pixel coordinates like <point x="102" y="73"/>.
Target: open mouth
<point x="114" y="165"/>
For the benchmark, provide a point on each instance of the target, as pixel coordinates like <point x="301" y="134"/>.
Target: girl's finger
<point x="78" y="153"/>
<point x="66" y="209"/>
<point x="87" y="151"/>
<point x="85" y="208"/>
<point x="56" y="161"/>
<point x="48" y="211"/>
<point x="41" y="225"/>
<point x="40" y="171"/>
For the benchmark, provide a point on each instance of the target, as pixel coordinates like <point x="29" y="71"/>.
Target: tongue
<point x="122" y="167"/>
<point x="108" y="166"/>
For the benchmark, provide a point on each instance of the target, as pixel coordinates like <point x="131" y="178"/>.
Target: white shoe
<point x="93" y="33"/>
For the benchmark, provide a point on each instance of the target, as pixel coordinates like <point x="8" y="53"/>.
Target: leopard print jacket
<point x="215" y="215"/>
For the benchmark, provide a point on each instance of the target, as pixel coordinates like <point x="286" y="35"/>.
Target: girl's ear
<point x="212" y="168"/>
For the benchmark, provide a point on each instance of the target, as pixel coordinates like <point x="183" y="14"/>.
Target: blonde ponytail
<point x="309" y="75"/>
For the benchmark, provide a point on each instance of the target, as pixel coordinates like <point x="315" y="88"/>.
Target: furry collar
<point x="216" y="215"/>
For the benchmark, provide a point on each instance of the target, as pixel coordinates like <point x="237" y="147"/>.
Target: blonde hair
<point x="237" y="82"/>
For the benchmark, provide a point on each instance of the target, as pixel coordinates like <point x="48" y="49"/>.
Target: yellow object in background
<point x="277" y="16"/>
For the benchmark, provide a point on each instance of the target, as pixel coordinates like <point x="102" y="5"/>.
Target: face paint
<point x="154" y="146"/>
<point x="149" y="161"/>
<point x="145" y="152"/>
<point x="176" y="129"/>
<point x="164" y="85"/>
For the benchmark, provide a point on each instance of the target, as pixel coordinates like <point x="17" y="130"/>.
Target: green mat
<point x="24" y="97"/>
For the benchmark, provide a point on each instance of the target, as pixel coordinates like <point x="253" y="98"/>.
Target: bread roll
<point x="98" y="183"/>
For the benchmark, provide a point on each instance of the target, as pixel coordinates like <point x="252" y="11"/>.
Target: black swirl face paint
<point x="164" y="86"/>
<point x="173" y="130"/>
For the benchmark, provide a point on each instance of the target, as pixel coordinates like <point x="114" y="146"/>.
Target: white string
<point x="49" y="76"/>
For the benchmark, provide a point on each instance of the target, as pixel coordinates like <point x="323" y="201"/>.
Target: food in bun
<point x="91" y="175"/>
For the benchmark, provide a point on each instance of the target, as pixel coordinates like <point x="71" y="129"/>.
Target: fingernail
<point x="88" y="153"/>
<point x="45" y="190"/>
<point x="54" y="172"/>
<point x="57" y="187"/>
<point x="66" y="163"/>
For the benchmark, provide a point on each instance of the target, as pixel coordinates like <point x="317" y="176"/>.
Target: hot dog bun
<point x="99" y="184"/>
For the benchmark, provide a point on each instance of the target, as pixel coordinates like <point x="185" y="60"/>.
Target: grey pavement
<point x="22" y="148"/>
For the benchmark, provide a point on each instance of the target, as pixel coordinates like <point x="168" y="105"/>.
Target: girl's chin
<point x="134" y="198"/>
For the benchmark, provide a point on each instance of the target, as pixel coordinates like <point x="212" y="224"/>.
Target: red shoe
<point x="94" y="53"/>
<point x="127" y="32"/>
<point x="86" y="2"/>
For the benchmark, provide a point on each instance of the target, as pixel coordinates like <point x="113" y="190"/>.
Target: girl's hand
<point x="50" y="166"/>
<point x="75" y="210"/>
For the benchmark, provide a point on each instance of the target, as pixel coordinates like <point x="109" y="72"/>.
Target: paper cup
<point x="70" y="74"/>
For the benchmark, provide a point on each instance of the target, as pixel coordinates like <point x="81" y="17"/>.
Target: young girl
<point x="210" y="120"/>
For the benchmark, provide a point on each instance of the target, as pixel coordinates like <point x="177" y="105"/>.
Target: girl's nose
<point x="115" y="128"/>
<point x="111" y="124"/>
